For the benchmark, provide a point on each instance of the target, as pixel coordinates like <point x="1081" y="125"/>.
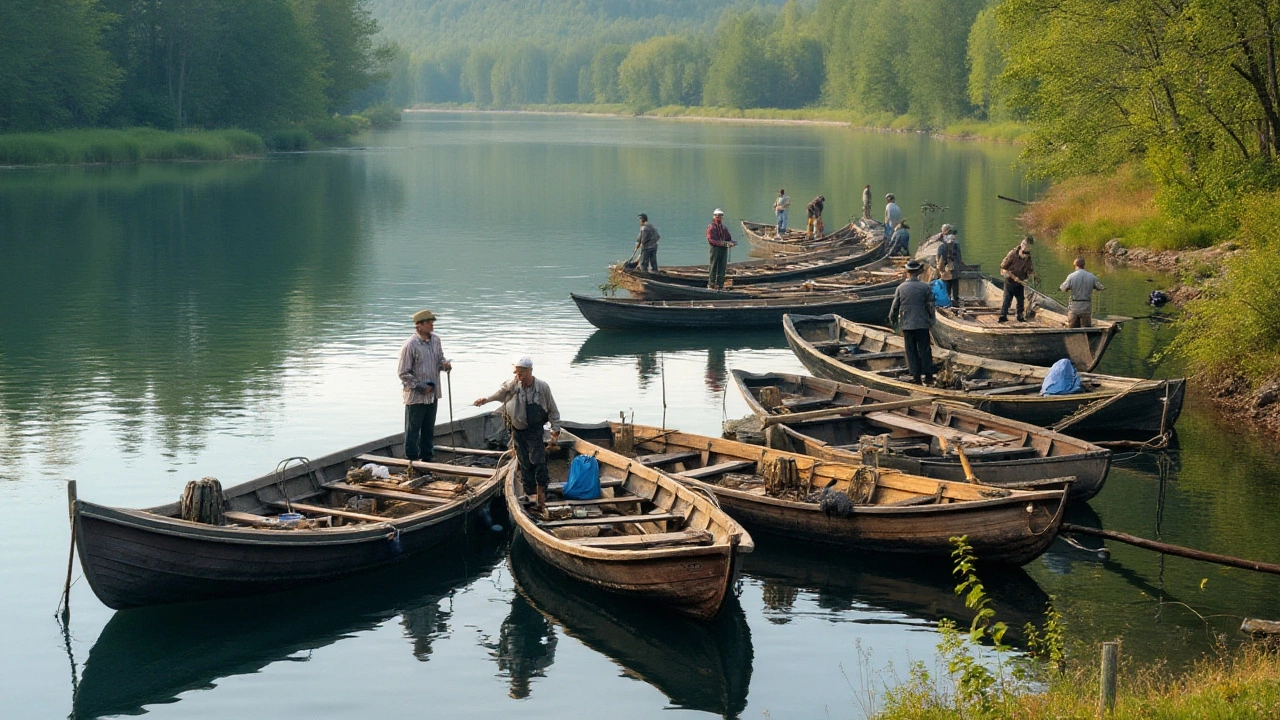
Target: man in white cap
<point x="527" y="405"/>
<point x="421" y="360"/>
<point x="720" y="240"/>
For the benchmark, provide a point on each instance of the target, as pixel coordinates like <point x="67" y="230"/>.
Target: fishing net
<point x="202" y="502"/>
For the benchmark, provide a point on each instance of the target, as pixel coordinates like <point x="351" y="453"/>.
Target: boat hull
<point x="626" y="314"/>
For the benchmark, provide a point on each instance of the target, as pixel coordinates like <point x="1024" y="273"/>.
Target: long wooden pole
<point x="834" y="413"/>
<point x="1168" y="549"/>
<point x="64" y="605"/>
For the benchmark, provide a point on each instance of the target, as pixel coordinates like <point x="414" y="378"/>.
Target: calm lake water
<point x="164" y="322"/>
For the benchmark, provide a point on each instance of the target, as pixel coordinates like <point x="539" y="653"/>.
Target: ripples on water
<point x="210" y="319"/>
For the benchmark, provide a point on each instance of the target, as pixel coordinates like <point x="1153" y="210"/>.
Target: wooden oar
<point x="832" y="414"/>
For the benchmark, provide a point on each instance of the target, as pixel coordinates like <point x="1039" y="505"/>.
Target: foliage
<point x="114" y="146"/>
<point x="382" y="115"/>
<point x="663" y="71"/>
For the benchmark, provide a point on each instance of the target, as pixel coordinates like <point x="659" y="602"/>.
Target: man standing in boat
<point x="421" y="360"/>
<point x="780" y="207"/>
<point x="1016" y="268"/>
<point x="647" y="244"/>
<point x="815" y="217"/>
<point x="527" y="405"/>
<point x="949" y="262"/>
<point x="720" y="240"/>
<point x="1080" y="285"/>
<point x="892" y="215"/>
<point x="913" y="312"/>
<point x="866" y="202"/>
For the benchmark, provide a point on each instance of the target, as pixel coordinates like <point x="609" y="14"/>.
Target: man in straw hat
<point x="421" y="360"/>
<point x="913" y="311"/>
<point x="527" y="405"/>
<point x="720" y="240"/>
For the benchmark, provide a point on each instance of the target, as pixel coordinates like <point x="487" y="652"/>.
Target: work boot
<point x="1002" y="318"/>
<point x="1020" y="319"/>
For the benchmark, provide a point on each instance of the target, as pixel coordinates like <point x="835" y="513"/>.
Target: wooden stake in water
<point x="1107" y="683"/>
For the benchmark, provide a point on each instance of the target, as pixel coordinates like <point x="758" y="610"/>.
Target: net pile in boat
<point x="202" y="502"/>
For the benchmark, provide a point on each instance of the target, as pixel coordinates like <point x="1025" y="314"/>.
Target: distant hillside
<point x="423" y="24"/>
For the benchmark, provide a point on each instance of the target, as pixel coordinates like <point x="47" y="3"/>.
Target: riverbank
<point x="965" y="130"/>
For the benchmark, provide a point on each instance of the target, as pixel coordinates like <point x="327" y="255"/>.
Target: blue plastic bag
<point x="584" y="479"/>
<point x="941" y="298"/>
<point x="1062" y="379"/>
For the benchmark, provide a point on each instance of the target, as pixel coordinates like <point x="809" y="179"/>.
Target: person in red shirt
<point x="720" y="240"/>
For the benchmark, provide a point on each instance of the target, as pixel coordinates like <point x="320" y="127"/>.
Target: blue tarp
<point x="584" y="479"/>
<point x="940" y="296"/>
<point x="1061" y="380"/>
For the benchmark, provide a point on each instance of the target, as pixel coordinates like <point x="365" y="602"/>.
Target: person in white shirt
<point x="892" y="215"/>
<point x="780" y="207"/>
<point x="421" y="360"/>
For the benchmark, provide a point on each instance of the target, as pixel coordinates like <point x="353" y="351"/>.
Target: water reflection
<point x="152" y="655"/>
<point x="649" y="350"/>
<point x="698" y="665"/>
<point x="844" y="582"/>
<point x="526" y="646"/>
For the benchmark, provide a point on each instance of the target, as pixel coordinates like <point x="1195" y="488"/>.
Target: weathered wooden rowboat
<point x="765" y="242"/>
<point x="1042" y="339"/>
<point x="885" y="510"/>
<point x="151" y="656"/>
<point x="629" y="313"/>
<point x="920" y="439"/>
<point x="698" y="665"/>
<point x="839" y="349"/>
<point x="750" y="272"/>
<point x="143" y="557"/>
<point x="881" y="277"/>
<point x="648" y="537"/>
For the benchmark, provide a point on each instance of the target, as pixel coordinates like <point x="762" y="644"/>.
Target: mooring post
<point x="1107" y="693"/>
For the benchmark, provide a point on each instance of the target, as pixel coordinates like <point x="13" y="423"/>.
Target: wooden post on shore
<point x="1107" y="682"/>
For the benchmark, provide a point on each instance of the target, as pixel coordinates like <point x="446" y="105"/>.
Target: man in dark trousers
<point x="949" y="263"/>
<point x="814" y="210"/>
<point x="913" y="312"/>
<point x="647" y="244"/>
<point x="527" y="406"/>
<point x="421" y="361"/>
<point x="720" y="240"/>
<point x="1016" y="268"/>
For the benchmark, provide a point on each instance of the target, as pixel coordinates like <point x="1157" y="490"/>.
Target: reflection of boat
<point x="839" y="349"/>
<point x="792" y="267"/>
<point x="922" y="439"/>
<point x="134" y="558"/>
<point x="149" y="656"/>
<point x="854" y="506"/>
<point x="698" y="665"/>
<point x="844" y="581"/>
<point x="629" y="313"/>
<point x="610" y="344"/>
<point x="648" y="537"/>
<point x="1042" y="339"/>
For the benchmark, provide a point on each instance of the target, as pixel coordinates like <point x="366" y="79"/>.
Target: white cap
<point x="525" y="362"/>
<point x="718" y="212"/>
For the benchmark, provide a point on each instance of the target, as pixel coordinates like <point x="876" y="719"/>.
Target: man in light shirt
<point x="892" y="215"/>
<point x="527" y="406"/>
<point x="1080" y="285"/>
<point x="421" y="360"/>
<point x="780" y="207"/>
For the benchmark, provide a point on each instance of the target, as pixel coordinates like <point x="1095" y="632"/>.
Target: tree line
<point x="256" y="64"/>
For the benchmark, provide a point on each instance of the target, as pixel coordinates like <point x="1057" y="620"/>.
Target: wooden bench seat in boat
<point x="388" y="494"/>
<point x="610" y="520"/>
<point x="336" y="512"/>
<point x="431" y="467"/>
<point x="724" y="467"/>
<point x="641" y="542"/>
<point x="666" y="458"/>
<point x="244" y="518"/>
<point x="616" y="500"/>
<point x="604" y="483"/>
<point x="906" y="422"/>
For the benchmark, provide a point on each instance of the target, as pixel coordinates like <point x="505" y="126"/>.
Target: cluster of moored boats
<point x="855" y="456"/>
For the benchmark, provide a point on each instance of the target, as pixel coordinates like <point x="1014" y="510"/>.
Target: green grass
<point x="122" y="146"/>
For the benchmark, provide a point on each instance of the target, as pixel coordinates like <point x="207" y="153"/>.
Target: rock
<point x="1113" y="247"/>
<point x="1267" y="394"/>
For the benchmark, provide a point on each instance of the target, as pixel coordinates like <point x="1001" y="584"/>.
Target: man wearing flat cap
<point x="421" y="360"/>
<point x="527" y="405"/>
<point x="647" y="244"/>
<point x="913" y="311"/>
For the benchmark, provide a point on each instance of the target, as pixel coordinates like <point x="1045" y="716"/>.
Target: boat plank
<point x="433" y="467"/>
<point x="610" y="520"/>
<point x="388" y="494"/>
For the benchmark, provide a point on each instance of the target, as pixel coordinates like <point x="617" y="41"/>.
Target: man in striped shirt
<point x="421" y="360"/>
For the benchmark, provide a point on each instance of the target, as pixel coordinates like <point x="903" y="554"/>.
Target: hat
<point x="1029" y="240"/>
<point x="914" y="266"/>
<point x="423" y="316"/>
<point x="644" y="217"/>
<point x="525" y="362"/>
<point x="718" y="212"/>
<point x="946" y="227"/>
<point x="889" y="196"/>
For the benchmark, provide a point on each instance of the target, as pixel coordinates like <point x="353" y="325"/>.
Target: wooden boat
<point x="1042" y="339"/>
<point x="698" y="665"/>
<point x="134" y="557"/>
<point x="765" y="242"/>
<point x="152" y="656"/>
<point x="648" y="537"/>
<point x="885" y="510"/>
<point x="751" y="272"/>
<point x="878" y="278"/>
<point x="629" y="313"/>
<point x="921" y="439"/>
<point x="839" y="349"/>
